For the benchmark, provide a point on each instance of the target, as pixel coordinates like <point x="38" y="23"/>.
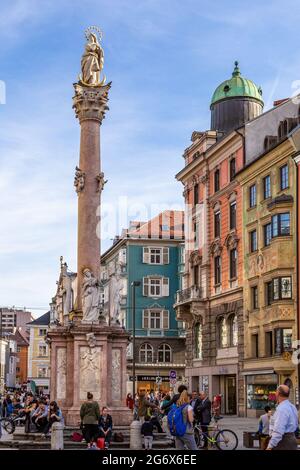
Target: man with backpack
<point x="180" y="420"/>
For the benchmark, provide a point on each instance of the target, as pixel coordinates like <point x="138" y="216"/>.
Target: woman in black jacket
<point x="105" y="426"/>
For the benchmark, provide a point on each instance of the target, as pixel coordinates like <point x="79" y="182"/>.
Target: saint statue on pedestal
<point x="90" y="297"/>
<point x="92" y="60"/>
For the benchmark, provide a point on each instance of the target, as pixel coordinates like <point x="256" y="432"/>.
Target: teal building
<point x="150" y="253"/>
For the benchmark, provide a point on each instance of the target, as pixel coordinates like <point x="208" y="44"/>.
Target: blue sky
<point x="165" y="59"/>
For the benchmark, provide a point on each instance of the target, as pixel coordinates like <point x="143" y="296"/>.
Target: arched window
<point x="146" y="353"/>
<point x="223" y="332"/>
<point x="233" y="325"/>
<point x="198" y="340"/>
<point x="164" y="353"/>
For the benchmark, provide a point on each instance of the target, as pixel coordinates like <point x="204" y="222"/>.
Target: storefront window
<point x="261" y="391"/>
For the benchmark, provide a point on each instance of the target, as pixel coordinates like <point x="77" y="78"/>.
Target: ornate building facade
<point x="211" y="302"/>
<point x="269" y="189"/>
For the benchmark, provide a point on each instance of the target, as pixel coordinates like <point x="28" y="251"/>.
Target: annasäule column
<point x="90" y="104"/>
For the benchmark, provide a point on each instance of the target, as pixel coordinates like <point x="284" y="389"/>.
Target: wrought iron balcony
<point x="189" y="294"/>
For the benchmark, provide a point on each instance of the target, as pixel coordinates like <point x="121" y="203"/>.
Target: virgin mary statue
<point x="92" y="62"/>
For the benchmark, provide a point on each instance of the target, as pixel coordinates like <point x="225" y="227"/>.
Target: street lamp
<point x="134" y="284"/>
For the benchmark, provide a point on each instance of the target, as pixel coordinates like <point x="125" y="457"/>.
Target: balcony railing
<point x="186" y="295"/>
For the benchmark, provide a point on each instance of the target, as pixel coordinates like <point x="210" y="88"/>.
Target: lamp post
<point x="134" y="284"/>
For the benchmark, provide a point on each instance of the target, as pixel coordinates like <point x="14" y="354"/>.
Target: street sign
<point x="173" y="374"/>
<point x="173" y="381"/>
<point x="158" y="380"/>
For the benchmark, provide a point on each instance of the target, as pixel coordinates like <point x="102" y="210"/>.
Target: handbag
<point x="118" y="437"/>
<point x="76" y="437"/>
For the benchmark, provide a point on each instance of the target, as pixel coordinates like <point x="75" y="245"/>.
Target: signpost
<point x="173" y="378"/>
<point x="158" y="380"/>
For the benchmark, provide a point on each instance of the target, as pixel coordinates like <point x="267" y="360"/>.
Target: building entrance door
<point x="230" y="394"/>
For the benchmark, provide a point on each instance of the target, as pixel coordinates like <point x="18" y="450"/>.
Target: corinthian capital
<point x="90" y="102"/>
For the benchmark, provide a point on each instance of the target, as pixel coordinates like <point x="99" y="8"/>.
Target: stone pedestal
<point x="89" y="358"/>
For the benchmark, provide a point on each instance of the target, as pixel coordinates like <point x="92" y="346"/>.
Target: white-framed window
<point x="43" y="350"/>
<point x="156" y="255"/>
<point x="156" y="286"/>
<point x="154" y="319"/>
<point x="146" y="353"/>
<point x="164" y="353"/>
<point x="42" y="332"/>
<point x="42" y="372"/>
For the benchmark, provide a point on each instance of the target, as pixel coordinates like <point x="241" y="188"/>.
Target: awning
<point x="258" y="372"/>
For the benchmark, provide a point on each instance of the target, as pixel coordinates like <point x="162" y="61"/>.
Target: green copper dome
<point x="237" y="86"/>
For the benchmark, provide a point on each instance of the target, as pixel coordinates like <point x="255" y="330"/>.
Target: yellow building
<point x="269" y="245"/>
<point x="39" y="353"/>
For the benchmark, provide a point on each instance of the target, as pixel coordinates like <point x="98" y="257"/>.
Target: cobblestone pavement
<point x="239" y="425"/>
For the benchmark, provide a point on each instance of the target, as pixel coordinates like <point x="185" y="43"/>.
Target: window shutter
<point x="165" y="287"/>
<point x="146" y="319"/>
<point x="146" y="255"/>
<point x="165" y="255"/>
<point x="145" y="286"/>
<point x="165" y="322"/>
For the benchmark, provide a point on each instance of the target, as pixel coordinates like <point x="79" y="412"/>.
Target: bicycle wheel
<point x="199" y="439"/>
<point x="8" y="425"/>
<point x="226" y="440"/>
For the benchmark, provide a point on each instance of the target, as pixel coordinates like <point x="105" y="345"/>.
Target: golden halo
<point x="95" y="30"/>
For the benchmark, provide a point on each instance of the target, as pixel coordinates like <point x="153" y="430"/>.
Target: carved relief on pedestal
<point x="61" y="374"/>
<point x="100" y="182"/>
<point x="116" y="375"/>
<point x="89" y="368"/>
<point x="79" y="180"/>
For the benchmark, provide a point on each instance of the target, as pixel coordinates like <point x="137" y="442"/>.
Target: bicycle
<point x="222" y="439"/>
<point x="10" y="422"/>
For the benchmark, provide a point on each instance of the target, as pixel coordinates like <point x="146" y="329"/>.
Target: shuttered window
<point x="156" y="287"/>
<point x="155" y="255"/>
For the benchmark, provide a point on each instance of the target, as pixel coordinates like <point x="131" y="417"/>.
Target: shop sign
<point x="148" y="378"/>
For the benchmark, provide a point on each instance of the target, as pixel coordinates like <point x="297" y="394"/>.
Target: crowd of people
<point x="37" y="411"/>
<point x="161" y="411"/>
<point x="277" y="430"/>
<point x="153" y="408"/>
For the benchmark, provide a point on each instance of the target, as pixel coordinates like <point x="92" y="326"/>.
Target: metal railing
<point x="191" y="293"/>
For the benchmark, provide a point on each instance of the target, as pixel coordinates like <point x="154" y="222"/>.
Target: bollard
<point x="57" y="436"/>
<point x="135" y="435"/>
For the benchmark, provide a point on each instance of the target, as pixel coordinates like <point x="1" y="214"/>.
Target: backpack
<point x="176" y="422"/>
